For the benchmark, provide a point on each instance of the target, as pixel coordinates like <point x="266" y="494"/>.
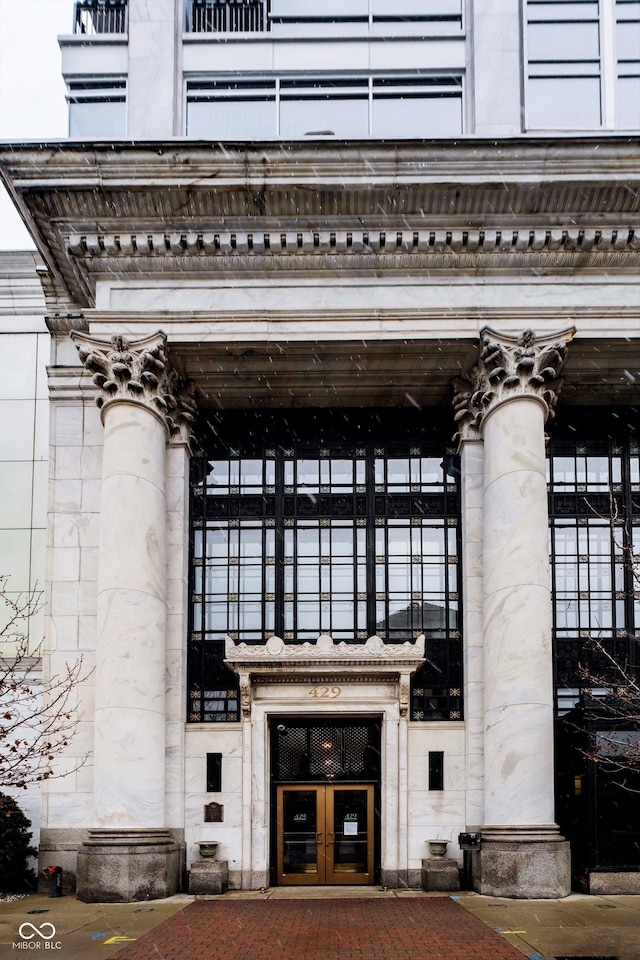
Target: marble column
<point x="129" y="854"/>
<point x="511" y="394"/>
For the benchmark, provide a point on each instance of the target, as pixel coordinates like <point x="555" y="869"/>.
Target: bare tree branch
<point x="610" y="691"/>
<point x="37" y="717"/>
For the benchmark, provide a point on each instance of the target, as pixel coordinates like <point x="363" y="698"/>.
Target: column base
<point x="528" y="862"/>
<point x="124" y="866"/>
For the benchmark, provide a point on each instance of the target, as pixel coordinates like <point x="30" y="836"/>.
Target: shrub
<point x="15" y="849"/>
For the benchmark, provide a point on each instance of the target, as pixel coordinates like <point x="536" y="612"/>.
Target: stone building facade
<point x="319" y="407"/>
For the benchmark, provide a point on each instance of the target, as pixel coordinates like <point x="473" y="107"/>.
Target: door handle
<point x="330" y="838"/>
<point x="318" y="838"/>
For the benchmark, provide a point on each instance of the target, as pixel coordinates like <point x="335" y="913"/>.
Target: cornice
<point x="173" y="208"/>
<point x="185" y="163"/>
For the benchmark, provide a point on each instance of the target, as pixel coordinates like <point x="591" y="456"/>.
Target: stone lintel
<point x="324" y="651"/>
<point x="323" y="662"/>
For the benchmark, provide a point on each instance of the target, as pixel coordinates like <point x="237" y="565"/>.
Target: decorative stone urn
<point x="208" y="848"/>
<point x="438" y="872"/>
<point x="438" y="848"/>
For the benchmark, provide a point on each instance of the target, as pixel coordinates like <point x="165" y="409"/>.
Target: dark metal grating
<point x="329" y="751"/>
<point x="350" y="529"/>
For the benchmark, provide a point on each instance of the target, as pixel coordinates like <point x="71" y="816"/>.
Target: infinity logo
<point x="37" y="931"/>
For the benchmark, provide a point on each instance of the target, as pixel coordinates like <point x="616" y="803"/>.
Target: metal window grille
<point x="354" y="536"/>
<point x="594" y="515"/>
<point x="330" y="750"/>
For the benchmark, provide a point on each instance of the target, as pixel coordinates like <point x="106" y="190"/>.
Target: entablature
<point x="465" y="206"/>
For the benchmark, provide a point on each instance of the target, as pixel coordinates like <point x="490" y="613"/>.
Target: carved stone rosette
<point x="138" y="371"/>
<point x="509" y="367"/>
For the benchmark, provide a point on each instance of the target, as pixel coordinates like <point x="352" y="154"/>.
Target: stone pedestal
<point x="208" y="877"/>
<point x="526" y="862"/>
<point x="125" y="866"/>
<point x="440" y="873"/>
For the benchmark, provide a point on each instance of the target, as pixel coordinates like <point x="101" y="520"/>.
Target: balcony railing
<point x="100" y="16"/>
<point x="340" y="18"/>
<point x="227" y="16"/>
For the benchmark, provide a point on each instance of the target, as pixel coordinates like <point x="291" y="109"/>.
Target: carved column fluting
<point x="138" y="408"/>
<point x="511" y="393"/>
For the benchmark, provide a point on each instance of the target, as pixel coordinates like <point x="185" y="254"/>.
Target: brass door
<point x="325" y="834"/>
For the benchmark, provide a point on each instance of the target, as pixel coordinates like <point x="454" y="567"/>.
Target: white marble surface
<point x="151" y="86"/>
<point x="496" y="67"/>
<point x="130" y="675"/>
<point x="518" y="714"/>
<point x="472" y="482"/>
<point x="437" y="813"/>
<point x="248" y="304"/>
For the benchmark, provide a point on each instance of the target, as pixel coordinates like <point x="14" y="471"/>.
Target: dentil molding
<point x="88" y="246"/>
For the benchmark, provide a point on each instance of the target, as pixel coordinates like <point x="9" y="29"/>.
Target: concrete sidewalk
<point x="431" y="926"/>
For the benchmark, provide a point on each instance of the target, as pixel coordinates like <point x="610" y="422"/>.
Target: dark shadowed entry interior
<point x="325" y="800"/>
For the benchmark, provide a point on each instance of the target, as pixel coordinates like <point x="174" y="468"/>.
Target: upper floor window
<point x="226" y="108"/>
<point x="100" y="16"/>
<point x="97" y="107"/>
<point x="583" y="64"/>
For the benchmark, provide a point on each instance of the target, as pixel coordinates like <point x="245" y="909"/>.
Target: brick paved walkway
<point x="413" y="929"/>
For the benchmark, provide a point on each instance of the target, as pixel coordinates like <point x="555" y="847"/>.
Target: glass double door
<point x="325" y="834"/>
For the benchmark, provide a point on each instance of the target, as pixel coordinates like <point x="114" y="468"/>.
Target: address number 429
<point x="325" y="693"/>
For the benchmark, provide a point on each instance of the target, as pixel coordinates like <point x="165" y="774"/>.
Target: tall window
<point x="583" y="64"/>
<point x="594" y="500"/>
<point x="353" y="535"/>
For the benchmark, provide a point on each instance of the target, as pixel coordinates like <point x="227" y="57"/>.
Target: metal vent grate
<point x="326" y="751"/>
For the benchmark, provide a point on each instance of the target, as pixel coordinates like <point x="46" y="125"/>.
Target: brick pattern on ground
<point x="413" y="929"/>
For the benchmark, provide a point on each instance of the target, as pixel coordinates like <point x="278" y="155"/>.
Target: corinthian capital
<point x="138" y="371"/>
<point x="510" y="367"/>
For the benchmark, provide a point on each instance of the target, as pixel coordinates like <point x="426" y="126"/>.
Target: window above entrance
<point x="352" y="534"/>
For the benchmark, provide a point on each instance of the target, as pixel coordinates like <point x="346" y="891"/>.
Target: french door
<point x="325" y="834"/>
